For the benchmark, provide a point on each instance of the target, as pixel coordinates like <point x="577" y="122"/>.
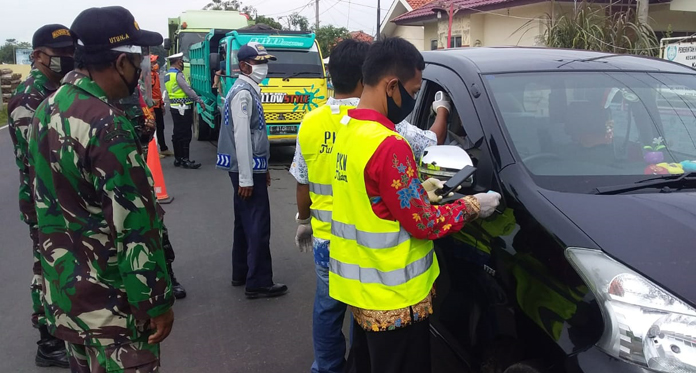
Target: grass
<point x="3" y="116"/>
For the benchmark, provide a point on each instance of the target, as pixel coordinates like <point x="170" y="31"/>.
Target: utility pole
<point x="316" y="15"/>
<point x="642" y="11"/>
<point x="379" y="19"/>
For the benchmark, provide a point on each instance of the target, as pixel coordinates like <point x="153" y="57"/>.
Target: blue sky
<point x="21" y="17"/>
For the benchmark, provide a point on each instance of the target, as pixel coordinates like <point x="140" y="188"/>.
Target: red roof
<point x="359" y="35"/>
<point x="415" y="4"/>
<point x="426" y="11"/>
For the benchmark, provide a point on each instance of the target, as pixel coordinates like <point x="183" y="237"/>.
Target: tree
<point x="595" y="27"/>
<point x="329" y="36"/>
<point x="268" y="21"/>
<point x="296" y="22"/>
<point x="7" y="51"/>
<point x="231" y="5"/>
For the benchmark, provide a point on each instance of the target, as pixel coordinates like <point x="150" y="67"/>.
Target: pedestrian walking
<point x="107" y="290"/>
<point x="313" y="168"/>
<point x="158" y="108"/>
<point x="52" y="58"/>
<point x="181" y="105"/>
<point x="243" y="151"/>
<point x="382" y="263"/>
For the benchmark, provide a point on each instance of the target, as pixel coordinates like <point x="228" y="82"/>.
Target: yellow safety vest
<point x="374" y="263"/>
<point x="316" y="137"/>
<point x="177" y="96"/>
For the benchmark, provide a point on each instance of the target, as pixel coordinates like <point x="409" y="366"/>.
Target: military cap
<point x="111" y="28"/>
<point x="52" y="36"/>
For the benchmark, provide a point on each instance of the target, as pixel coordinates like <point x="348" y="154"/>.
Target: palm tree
<point x="223" y="5"/>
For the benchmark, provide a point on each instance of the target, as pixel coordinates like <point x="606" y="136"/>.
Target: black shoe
<point x="189" y="164"/>
<point x="51" y="353"/>
<point x="177" y="288"/>
<point x="178" y="162"/>
<point x="238" y="282"/>
<point x="271" y="291"/>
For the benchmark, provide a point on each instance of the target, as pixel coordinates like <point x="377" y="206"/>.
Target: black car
<point x="588" y="266"/>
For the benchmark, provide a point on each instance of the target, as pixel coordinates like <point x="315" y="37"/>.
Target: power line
<point x="329" y="8"/>
<point x="295" y="10"/>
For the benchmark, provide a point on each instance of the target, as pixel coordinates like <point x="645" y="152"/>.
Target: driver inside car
<point x="592" y="130"/>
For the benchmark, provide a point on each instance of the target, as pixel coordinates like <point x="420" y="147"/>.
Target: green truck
<point x="192" y="26"/>
<point x="296" y="82"/>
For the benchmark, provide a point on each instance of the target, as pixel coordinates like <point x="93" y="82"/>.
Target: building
<point x="359" y="35"/>
<point x="414" y="34"/>
<point x="523" y="22"/>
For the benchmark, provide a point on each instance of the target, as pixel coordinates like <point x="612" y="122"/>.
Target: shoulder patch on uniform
<point x="245" y="108"/>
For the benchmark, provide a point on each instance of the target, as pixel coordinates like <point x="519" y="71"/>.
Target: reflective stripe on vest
<point x="177" y="96"/>
<point x="374" y="263"/>
<point x="316" y="139"/>
<point x="374" y="276"/>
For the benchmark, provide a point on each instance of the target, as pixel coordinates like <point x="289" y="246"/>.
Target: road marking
<point x="3" y="127"/>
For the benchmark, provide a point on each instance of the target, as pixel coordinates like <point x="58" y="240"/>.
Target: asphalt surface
<point x="216" y="328"/>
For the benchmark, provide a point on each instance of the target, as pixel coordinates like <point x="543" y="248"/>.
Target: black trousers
<point x="403" y="350"/>
<point x="159" y="119"/>
<point x="251" y="249"/>
<point x="181" y="138"/>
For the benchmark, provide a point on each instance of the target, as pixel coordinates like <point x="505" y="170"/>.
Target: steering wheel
<point x="538" y="156"/>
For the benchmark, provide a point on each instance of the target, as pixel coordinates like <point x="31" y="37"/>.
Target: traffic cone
<point x="153" y="161"/>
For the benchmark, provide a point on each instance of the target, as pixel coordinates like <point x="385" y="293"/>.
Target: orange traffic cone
<point x="153" y="161"/>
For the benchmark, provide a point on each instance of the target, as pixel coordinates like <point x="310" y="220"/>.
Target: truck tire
<point x="201" y="129"/>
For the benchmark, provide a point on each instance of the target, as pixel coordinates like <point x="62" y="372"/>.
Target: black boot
<point x="186" y="162"/>
<point x="51" y="351"/>
<point x="178" y="154"/>
<point x="177" y="288"/>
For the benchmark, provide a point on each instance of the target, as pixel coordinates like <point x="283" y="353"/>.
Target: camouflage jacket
<point x="100" y="235"/>
<point x="21" y="108"/>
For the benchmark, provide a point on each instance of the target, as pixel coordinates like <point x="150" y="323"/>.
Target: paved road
<point x="216" y="329"/>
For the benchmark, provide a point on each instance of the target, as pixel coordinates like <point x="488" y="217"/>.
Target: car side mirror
<point x="443" y="161"/>
<point x="167" y="44"/>
<point x="214" y="61"/>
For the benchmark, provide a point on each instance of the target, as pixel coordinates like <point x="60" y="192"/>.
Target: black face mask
<point x="133" y="84"/>
<point x="397" y="114"/>
<point x="60" y="65"/>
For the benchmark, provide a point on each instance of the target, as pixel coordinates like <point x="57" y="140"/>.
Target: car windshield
<point x="187" y="39"/>
<point x="575" y="131"/>
<point x="290" y="63"/>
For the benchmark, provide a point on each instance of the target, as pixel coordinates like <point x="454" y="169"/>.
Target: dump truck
<point x="296" y="82"/>
<point x="191" y="27"/>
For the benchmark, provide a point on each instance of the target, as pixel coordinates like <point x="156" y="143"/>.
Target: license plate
<point x="282" y="130"/>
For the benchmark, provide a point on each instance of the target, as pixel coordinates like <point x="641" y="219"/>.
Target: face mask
<point x="397" y="114"/>
<point x="258" y="72"/>
<point x="134" y="82"/>
<point x="60" y="65"/>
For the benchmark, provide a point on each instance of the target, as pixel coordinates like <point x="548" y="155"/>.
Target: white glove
<point x="431" y="186"/>
<point x="303" y="238"/>
<point x="488" y="203"/>
<point x="441" y="100"/>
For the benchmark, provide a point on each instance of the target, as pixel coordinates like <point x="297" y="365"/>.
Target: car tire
<point x="201" y="129"/>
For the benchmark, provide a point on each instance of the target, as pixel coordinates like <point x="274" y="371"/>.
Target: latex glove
<point x="442" y="100"/>
<point x="488" y="202"/>
<point x="303" y="238"/>
<point x="431" y="186"/>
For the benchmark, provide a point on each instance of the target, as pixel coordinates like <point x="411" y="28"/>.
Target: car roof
<point x="490" y="60"/>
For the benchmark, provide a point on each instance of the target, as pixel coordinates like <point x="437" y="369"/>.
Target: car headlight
<point x="643" y="323"/>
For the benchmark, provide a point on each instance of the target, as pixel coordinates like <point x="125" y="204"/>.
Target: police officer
<point x="110" y="295"/>
<point x="181" y="100"/>
<point x="243" y="151"/>
<point x="51" y="60"/>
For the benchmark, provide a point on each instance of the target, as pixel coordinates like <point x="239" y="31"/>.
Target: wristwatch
<point x="302" y="221"/>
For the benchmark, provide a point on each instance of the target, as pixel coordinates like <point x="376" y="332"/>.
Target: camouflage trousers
<point x="38" y="316"/>
<point x="135" y="357"/>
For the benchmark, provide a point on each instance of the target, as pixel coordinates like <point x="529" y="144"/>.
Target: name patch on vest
<point x="341" y="167"/>
<point x="329" y="140"/>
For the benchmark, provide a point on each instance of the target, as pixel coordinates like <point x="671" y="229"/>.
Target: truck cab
<point x="296" y="82"/>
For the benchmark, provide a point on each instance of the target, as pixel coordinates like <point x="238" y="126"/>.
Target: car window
<point x="598" y="123"/>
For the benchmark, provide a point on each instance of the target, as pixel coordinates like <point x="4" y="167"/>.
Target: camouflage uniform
<point x="100" y="235"/>
<point x="21" y="108"/>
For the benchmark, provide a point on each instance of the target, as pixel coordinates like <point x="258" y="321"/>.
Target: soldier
<point x="51" y="60"/>
<point x="107" y="290"/>
<point x="181" y="105"/>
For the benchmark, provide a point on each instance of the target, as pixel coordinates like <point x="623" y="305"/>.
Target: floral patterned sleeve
<point x="396" y="193"/>
<point x="298" y="169"/>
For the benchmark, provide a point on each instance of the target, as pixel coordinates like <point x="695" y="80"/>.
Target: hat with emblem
<point x="111" y="28"/>
<point x="52" y="36"/>
<point x="254" y="51"/>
